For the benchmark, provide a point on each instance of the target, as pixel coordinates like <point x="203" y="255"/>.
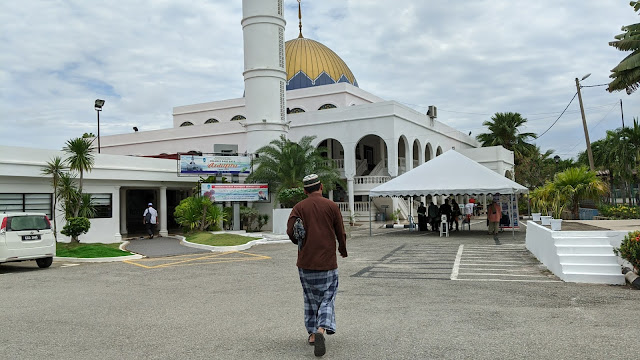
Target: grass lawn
<point x="206" y="238"/>
<point x="80" y="250"/>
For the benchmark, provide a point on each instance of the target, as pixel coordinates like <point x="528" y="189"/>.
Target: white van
<point x="26" y="236"/>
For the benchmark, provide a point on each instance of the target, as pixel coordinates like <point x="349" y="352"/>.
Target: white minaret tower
<point x="265" y="71"/>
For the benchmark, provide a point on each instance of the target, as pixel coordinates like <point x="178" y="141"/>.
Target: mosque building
<point x="302" y="88"/>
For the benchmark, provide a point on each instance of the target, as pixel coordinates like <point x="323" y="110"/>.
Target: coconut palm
<point x="576" y="184"/>
<point x="54" y="168"/>
<point x="80" y="158"/>
<point x="504" y="130"/>
<point x="626" y="75"/>
<point x="283" y="163"/>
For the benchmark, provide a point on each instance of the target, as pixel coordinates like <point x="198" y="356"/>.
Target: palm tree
<point x="54" y="168"/>
<point x="283" y="163"/>
<point x="576" y="184"/>
<point x="80" y="159"/>
<point x="535" y="169"/>
<point x="68" y="195"/>
<point x="626" y="76"/>
<point x="504" y="130"/>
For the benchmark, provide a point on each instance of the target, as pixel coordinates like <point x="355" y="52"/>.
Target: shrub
<point x="75" y="227"/>
<point x="252" y="219"/>
<point x="630" y="249"/>
<point x="197" y="212"/>
<point x="620" y="211"/>
<point x="290" y="197"/>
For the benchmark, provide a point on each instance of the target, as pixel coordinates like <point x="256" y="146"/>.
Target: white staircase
<point x="577" y="256"/>
<point x="588" y="256"/>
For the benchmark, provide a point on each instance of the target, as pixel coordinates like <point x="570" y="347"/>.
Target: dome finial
<point x="300" y="19"/>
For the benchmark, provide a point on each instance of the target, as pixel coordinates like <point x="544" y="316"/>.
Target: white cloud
<point x="471" y="59"/>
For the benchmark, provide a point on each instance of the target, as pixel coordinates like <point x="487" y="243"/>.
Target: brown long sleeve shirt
<point x="323" y="225"/>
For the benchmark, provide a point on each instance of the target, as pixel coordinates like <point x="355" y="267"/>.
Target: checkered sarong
<point x="319" y="289"/>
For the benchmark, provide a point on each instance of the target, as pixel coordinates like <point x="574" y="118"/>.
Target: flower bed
<point x="620" y="211"/>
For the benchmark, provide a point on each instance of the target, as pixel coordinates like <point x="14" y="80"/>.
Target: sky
<point x="471" y="59"/>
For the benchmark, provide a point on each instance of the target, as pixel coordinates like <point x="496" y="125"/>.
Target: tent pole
<point x="513" y="226"/>
<point x="370" y="215"/>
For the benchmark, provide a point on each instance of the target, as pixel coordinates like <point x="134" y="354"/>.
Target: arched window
<point x="238" y="117"/>
<point x="211" y="121"/>
<point x="327" y="106"/>
<point x="186" y="123"/>
<point x="296" y="111"/>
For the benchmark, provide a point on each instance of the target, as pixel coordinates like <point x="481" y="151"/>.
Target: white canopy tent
<point x="448" y="174"/>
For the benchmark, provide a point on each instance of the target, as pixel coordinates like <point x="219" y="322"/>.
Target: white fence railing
<point x="360" y="206"/>
<point x="377" y="180"/>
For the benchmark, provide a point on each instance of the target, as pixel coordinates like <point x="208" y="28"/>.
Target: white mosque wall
<point x="495" y="158"/>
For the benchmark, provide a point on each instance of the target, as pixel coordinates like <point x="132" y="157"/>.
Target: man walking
<point x="494" y="213"/>
<point x="150" y="219"/>
<point x="314" y="225"/>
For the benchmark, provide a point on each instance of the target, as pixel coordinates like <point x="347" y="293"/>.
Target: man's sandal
<point x="309" y="340"/>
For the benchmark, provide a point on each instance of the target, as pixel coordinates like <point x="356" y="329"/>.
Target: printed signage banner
<point x="235" y="192"/>
<point x="214" y="165"/>
<point x="505" y="201"/>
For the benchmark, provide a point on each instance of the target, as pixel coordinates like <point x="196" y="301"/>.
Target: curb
<point x="265" y="240"/>
<point x="102" y="259"/>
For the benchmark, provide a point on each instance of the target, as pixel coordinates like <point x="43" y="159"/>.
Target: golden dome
<point x="309" y="63"/>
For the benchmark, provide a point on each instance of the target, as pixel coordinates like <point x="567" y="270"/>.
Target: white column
<point x="392" y="160"/>
<point x="163" y="211"/>
<point x="350" y="172"/>
<point x="115" y="198"/>
<point x="123" y="212"/>
<point x="351" y="196"/>
<point x="264" y="71"/>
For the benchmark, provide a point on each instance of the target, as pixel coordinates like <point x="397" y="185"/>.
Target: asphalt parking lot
<point x="403" y="295"/>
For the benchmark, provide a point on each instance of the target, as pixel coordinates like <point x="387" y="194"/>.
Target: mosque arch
<point x="296" y="110"/>
<point x="238" y="118"/>
<point x="211" y="121"/>
<point x="428" y="152"/>
<point x="327" y="106"/>
<point x="403" y="155"/>
<point x="439" y="151"/>
<point x="416" y="154"/>
<point x="371" y="156"/>
<point x="186" y="123"/>
<point x="333" y="150"/>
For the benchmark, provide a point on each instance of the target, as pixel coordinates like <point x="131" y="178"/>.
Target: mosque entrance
<point x="137" y="200"/>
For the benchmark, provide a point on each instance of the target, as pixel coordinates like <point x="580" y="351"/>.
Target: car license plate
<point x="30" y="237"/>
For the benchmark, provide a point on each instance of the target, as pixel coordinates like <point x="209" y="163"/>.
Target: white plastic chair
<point x="444" y="226"/>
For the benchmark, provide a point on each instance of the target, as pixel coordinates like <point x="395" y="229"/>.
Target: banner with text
<point x="235" y="192"/>
<point x="214" y="165"/>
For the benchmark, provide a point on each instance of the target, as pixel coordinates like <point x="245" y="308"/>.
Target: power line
<point x="565" y="109"/>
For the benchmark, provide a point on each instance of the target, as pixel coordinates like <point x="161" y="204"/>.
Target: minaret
<point x="265" y="71"/>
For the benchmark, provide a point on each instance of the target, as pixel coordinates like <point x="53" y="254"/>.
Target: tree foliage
<point x="504" y="130"/>
<point x="626" y="75"/>
<point x="284" y="163"/>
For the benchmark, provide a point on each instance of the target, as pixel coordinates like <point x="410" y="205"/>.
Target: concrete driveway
<point x="397" y="300"/>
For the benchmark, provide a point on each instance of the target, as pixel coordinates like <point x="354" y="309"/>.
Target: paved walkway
<point x="161" y="246"/>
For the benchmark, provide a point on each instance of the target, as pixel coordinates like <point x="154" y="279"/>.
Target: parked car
<point x="26" y="236"/>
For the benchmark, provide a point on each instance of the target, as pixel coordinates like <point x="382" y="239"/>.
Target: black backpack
<point x="147" y="217"/>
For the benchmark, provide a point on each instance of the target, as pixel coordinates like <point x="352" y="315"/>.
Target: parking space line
<point x="217" y="257"/>
<point x="456" y="263"/>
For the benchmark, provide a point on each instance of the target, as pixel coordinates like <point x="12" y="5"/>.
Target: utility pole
<point x="584" y="124"/>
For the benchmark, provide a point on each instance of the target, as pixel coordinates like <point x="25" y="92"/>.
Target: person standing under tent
<point x="434" y="216"/>
<point x="314" y="225"/>
<point x="422" y="217"/>
<point x="494" y="213"/>
<point x="455" y="213"/>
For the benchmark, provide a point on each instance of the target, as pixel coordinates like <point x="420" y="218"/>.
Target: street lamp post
<point x="98" y="105"/>
<point x="584" y="124"/>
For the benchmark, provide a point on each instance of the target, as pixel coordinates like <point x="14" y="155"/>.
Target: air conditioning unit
<point x="432" y="112"/>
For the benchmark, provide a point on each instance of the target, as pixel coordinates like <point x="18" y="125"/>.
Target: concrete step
<point x="593" y="240"/>
<point x="584" y="249"/>
<point x="582" y="234"/>
<point x="588" y="259"/>
<point x="591" y="278"/>
<point x="613" y="269"/>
